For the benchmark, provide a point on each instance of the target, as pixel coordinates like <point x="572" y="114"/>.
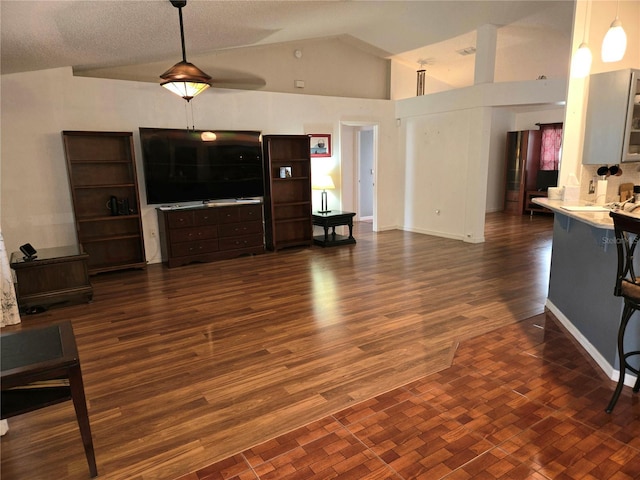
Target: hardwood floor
<point x="188" y="366"/>
<point x="518" y="403"/>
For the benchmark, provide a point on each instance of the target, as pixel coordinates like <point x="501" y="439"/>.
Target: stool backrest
<point x="627" y="232"/>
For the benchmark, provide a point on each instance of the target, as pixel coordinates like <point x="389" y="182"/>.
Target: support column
<point x="485" y="65"/>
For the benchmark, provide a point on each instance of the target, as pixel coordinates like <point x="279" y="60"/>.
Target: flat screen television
<point x="179" y="166"/>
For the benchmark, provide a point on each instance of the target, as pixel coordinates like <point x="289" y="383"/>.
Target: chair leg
<point x="626" y="315"/>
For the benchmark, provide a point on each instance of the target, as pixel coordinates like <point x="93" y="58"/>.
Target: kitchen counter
<point x="593" y="215"/>
<point x="581" y="284"/>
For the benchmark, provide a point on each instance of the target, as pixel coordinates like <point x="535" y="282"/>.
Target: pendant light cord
<point x="187" y="106"/>
<point x="586" y="18"/>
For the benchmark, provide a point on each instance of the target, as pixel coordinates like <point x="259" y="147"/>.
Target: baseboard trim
<point x="434" y="233"/>
<point x="607" y="368"/>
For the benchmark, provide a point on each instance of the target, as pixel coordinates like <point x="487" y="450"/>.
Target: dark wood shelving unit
<point x="102" y="165"/>
<point x="288" y="221"/>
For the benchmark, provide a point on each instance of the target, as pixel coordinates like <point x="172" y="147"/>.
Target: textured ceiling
<point x="102" y="34"/>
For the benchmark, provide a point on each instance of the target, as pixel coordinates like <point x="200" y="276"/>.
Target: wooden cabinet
<point x="522" y="163"/>
<point x="104" y="190"/>
<point x="612" y="125"/>
<point x="531" y="207"/>
<point x="209" y="233"/>
<point x="631" y="151"/>
<point x="288" y="221"/>
<point x="56" y="277"/>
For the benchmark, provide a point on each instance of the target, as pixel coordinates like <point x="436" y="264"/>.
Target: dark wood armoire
<point x="522" y="164"/>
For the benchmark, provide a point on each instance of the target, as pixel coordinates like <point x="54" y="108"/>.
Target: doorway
<point x="359" y="154"/>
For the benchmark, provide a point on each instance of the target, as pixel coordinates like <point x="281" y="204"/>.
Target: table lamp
<point x="324" y="183"/>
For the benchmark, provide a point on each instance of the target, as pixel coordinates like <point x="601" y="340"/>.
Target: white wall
<point x="455" y="151"/>
<point x="436" y="172"/>
<point x="37" y="106"/>
<point x="528" y="120"/>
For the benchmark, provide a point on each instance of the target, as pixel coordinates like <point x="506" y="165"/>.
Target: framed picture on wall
<point x="320" y="145"/>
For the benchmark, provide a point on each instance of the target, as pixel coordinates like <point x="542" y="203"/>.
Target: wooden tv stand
<point x="209" y="233"/>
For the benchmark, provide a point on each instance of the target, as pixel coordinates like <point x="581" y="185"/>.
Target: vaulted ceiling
<point x="106" y="34"/>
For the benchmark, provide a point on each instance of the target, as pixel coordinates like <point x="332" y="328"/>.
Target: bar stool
<point x="627" y="233"/>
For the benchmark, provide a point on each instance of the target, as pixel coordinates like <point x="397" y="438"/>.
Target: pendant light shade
<point x="184" y="78"/>
<point x="582" y="58"/>
<point x="581" y="64"/>
<point x="615" y="43"/>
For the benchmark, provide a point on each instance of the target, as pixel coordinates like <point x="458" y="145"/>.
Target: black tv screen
<point x="196" y="165"/>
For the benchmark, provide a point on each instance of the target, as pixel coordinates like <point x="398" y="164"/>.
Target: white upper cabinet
<point x="612" y="128"/>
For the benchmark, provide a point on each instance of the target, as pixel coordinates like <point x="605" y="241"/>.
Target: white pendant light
<point x="615" y="41"/>
<point x="581" y="62"/>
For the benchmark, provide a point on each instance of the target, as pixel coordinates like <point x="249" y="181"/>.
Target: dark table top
<point x="34" y="350"/>
<point x="49" y="254"/>
<point x="333" y="213"/>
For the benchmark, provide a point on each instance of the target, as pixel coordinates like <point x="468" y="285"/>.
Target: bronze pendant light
<point x="184" y="78"/>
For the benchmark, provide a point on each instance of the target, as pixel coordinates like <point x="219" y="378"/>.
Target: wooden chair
<point x="627" y="234"/>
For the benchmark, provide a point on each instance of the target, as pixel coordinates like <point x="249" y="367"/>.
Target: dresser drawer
<point x="180" y="219"/>
<point x="206" y="216"/>
<point x="235" y="243"/>
<point x="240" y="213"/>
<point x="194" y="248"/>
<point x="235" y="229"/>
<point x="193" y="233"/>
<point x="249" y="213"/>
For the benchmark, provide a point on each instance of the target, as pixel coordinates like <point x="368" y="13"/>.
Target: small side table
<point x="58" y="275"/>
<point x="333" y="219"/>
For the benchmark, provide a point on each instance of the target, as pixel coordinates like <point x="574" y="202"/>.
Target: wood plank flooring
<point x="520" y="402"/>
<point x="187" y="366"/>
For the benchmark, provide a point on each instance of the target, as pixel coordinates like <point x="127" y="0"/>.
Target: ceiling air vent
<point x="466" y="51"/>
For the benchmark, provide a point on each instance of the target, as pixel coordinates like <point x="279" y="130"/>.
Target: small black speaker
<point x="113" y="205"/>
<point x="29" y="251"/>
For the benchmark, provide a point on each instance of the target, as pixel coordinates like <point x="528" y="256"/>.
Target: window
<point x="551" y="146"/>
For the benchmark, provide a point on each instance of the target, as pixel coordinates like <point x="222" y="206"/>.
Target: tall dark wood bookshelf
<point x="288" y="221"/>
<point x="101" y="165"/>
